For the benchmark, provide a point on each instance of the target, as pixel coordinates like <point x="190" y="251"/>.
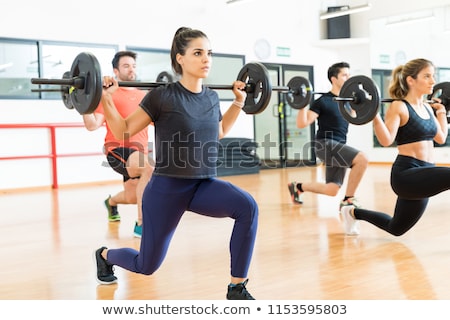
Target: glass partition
<point x="18" y="63"/>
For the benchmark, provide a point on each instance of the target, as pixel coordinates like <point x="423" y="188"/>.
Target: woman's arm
<point x="386" y="130"/>
<point x="441" y="122"/>
<point x="230" y="116"/>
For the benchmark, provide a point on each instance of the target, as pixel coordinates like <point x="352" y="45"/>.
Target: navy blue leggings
<point x="414" y="181"/>
<point x="164" y="202"/>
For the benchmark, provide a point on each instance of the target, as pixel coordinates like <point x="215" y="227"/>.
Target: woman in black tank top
<point x="413" y="126"/>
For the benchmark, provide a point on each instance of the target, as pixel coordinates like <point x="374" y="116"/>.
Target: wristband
<point x="238" y="104"/>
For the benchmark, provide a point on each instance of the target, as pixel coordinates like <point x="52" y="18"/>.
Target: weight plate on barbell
<point x="259" y="87"/>
<point x="164" y="76"/>
<point x="86" y="99"/>
<point x="65" y="95"/>
<point x="444" y="95"/>
<point x="300" y="92"/>
<point x="366" y="100"/>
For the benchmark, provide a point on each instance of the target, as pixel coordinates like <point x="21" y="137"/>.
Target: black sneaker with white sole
<point x="105" y="272"/>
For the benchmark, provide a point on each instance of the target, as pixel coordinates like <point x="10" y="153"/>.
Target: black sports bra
<point x="417" y="128"/>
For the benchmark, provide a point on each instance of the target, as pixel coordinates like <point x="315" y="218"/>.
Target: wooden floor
<point x="47" y="238"/>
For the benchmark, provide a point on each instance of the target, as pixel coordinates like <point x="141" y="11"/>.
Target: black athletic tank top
<point x="417" y="128"/>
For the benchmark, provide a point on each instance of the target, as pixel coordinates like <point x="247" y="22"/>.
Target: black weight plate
<point x="259" y="87"/>
<point x="300" y="92"/>
<point x="65" y="92"/>
<point x="442" y="91"/>
<point x="86" y="99"/>
<point x="366" y="100"/>
<point x="165" y="77"/>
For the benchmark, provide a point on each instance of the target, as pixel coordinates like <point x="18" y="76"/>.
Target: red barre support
<point x="53" y="154"/>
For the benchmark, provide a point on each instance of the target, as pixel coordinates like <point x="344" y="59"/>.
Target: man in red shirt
<point x="129" y="155"/>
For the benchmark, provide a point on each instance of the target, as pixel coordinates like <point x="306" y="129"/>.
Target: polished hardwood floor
<point x="47" y="238"/>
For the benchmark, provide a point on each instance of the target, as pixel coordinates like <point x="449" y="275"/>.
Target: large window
<point x="57" y="58"/>
<point x="225" y="69"/>
<point x="151" y="62"/>
<point x="18" y="63"/>
<point x="382" y="79"/>
<point x="443" y="74"/>
<point x="22" y="60"/>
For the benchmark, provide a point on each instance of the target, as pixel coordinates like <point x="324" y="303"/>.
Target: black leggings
<point x="414" y="181"/>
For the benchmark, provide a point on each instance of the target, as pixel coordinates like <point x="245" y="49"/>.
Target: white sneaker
<point x="351" y="225"/>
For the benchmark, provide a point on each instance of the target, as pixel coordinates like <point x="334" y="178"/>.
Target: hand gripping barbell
<point x="81" y="87"/>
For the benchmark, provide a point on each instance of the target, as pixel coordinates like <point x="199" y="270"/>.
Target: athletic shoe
<point x="296" y="194"/>
<point x="239" y="292"/>
<point x="137" y="230"/>
<point x="113" y="214"/>
<point x="353" y="201"/>
<point x="351" y="225"/>
<point x="105" y="272"/>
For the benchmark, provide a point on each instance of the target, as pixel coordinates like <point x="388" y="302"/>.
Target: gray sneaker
<point x="296" y="195"/>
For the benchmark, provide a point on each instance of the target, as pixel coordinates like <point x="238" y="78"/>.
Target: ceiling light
<point x="345" y="11"/>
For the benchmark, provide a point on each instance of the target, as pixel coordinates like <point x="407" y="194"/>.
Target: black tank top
<point x="417" y="128"/>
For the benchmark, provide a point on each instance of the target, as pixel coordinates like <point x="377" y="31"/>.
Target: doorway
<point x="280" y="143"/>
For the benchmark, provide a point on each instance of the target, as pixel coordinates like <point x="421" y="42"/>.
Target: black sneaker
<point x="239" y="292"/>
<point x="113" y="214"/>
<point x="105" y="272"/>
<point x="296" y="195"/>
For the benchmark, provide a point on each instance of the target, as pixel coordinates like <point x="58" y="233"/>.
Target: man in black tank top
<point x="330" y="145"/>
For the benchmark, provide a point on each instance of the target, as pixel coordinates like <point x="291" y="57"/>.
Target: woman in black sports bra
<point x="413" y="125"/>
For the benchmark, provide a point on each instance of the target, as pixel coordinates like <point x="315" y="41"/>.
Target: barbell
<point x="359" y="99"/>
<point x="81" y="87"/>
<point x="162" y="78"/>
